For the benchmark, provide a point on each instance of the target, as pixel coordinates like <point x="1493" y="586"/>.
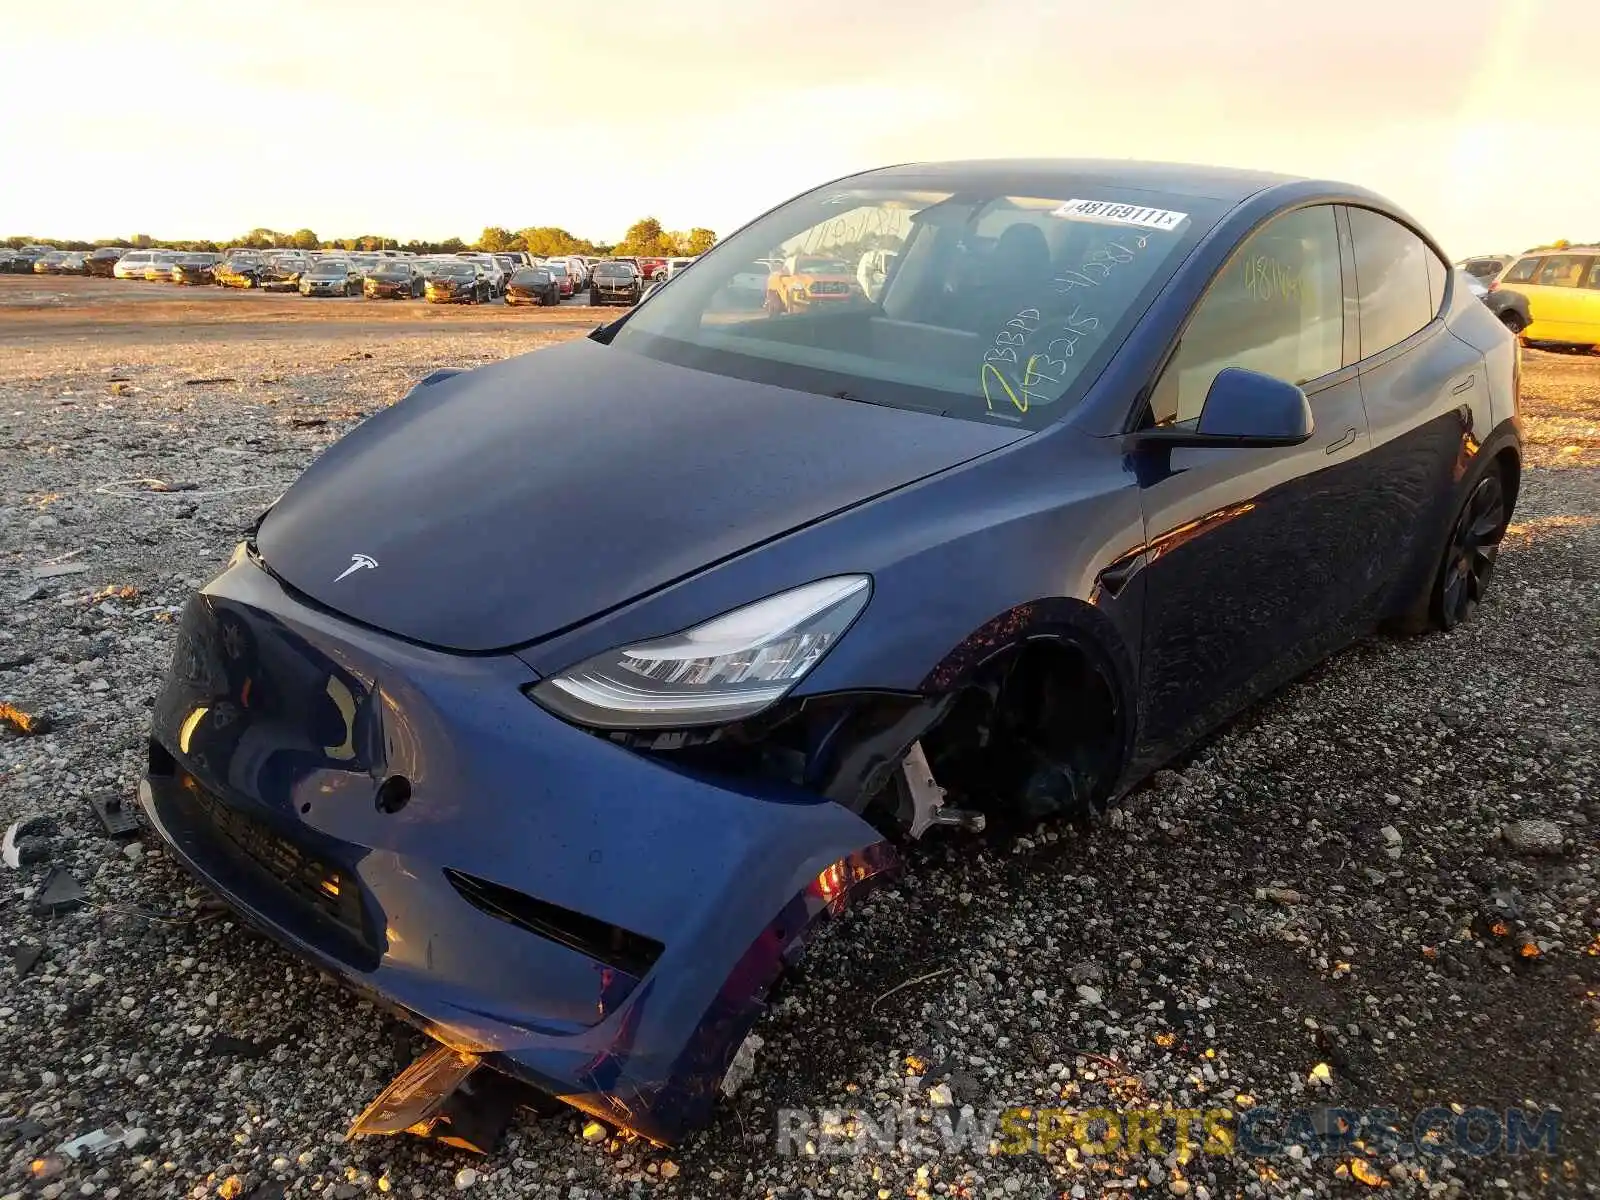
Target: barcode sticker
<point x="1112" y="213"/>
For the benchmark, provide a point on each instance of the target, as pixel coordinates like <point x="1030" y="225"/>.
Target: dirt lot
<point x="1320" y="911"/>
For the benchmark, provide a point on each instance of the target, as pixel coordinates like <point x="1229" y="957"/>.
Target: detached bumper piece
<point x="445" y="1096"/>
<point x="548" y="906"/>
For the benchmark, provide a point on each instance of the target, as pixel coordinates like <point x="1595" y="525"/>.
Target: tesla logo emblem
<point x="358" y="562"/>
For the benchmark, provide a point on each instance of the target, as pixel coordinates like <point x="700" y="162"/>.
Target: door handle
<point x="1347" y="440"/>
<point x="1463" y="385"/>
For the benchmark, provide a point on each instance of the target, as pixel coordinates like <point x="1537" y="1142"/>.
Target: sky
<point x="206" y="118"/>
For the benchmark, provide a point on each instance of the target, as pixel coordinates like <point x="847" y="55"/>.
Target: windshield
<point x="456" y="268"/>
<point x="391" y="269"/>
<point x="530" y="275"/>
<point x="330" y="266"/>
<point x="556" y="268"/>
<point x="613" y="271"/>
<point x="989" y="306"/>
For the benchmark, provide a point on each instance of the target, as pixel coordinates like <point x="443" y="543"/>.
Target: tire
<point x="1512" y="320"/>
<point x="1467" y="559"/>
<point x="774" y="305"/>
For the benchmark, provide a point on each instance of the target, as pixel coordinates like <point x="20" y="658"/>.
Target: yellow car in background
<point x="1551" y="296"/>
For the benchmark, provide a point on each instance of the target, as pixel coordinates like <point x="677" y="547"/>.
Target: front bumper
<point x="591" y="921"/>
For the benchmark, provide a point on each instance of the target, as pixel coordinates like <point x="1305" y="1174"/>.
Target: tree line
<point x="644" y="237"/>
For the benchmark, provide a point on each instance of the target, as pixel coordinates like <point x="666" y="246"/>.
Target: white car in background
<point x="674" y="265"/>
<point x="132" y="264"/>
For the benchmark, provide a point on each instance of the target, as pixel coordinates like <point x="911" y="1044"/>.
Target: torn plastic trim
<point x="664" y="1108"/>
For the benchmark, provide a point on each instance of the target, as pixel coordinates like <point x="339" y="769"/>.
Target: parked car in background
<point x="747" y="286"/>
<point x="1478" y="287"/>
<point x="32" y="253"/>
<point x="674" y="267"/>
<point x="533" y="285"/>
<point x="331" y="277"/>
<point x="458" y="281"/>
<point x="194" y="269"/>
<point x="648" y="266"/>
<point x="565" y="282"/>
<point x="493" y="271"/>
<point x="615" y="283"/>
<point x="1551" y="296"/>
<point x="578" y="269"/>
<point x="159" y="268"/>
<point x="1486" y="266"/>
<point x="12" y="262"/>
<point x="132" y="264"/>
<point x="510" y="264"/>
<point x="50" y="263"/>
<point x="242" y="270"/>
<point x="281" y="271"/>
<point x="393" y="279"/>
<point x="103" y="262"/>
<point x="805" y="281"/>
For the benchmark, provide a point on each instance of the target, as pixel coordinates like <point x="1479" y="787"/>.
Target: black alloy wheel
<point x="1470" y="555"/>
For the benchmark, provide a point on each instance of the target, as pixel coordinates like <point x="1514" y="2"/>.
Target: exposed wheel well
<point x="1509" y="463"/>
<point x="1040" y="730"/>
<point x="1037" y="727"/>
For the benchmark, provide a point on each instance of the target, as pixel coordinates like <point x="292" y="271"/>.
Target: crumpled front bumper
<point x="594" y="922"/>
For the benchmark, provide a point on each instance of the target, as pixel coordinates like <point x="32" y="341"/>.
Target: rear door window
<point x="1392" y="289"/>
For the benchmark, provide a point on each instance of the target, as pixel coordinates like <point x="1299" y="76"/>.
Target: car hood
<point x="502" y="505"/>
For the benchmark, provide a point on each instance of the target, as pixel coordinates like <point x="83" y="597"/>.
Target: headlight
<point x="727" y="669"/>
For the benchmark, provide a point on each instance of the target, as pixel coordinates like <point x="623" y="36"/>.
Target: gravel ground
<point x="1321" y="907"/>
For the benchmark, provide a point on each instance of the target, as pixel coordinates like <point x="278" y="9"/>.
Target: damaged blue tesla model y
<point x="557" y="704"/>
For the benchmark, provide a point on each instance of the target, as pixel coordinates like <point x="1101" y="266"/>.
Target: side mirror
<point x="1242" y="408"/>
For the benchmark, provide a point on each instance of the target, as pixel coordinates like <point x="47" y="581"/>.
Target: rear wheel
<point x="1470" y="555"/>
<point x="1513" y="321"/>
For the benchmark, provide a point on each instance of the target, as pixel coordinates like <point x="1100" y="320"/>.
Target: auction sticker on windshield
<point x="1120" y="214"/>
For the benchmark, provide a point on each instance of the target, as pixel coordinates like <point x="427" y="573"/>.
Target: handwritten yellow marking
<point x="983" y="378"/>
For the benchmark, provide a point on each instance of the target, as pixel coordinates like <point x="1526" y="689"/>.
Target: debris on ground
<point x="53" y="570"/>
<point x="118" y="817"/>
<point x="742" y="1066"/>
<point x="24" y="723"/>
<point x="1533" y="837"/>
<point x="59" y="893"/>
<point x="24" y="958"/>
<point x="97" y="1140"/>
<point x="25" y="842"/>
